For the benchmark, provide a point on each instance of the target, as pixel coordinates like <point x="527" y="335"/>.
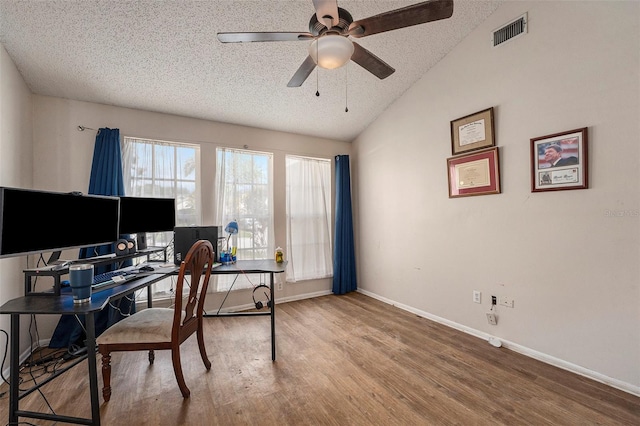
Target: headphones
<point x="259" y="304"/>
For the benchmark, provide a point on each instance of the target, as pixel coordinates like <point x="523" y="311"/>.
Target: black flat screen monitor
<point x="143" y="214"/>
<point x="33" y="221"/>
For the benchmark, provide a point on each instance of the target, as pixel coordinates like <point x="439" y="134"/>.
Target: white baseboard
<point x="303" y="296"/>
<point x="556" y="362"/>
<point x="279" y="300"/>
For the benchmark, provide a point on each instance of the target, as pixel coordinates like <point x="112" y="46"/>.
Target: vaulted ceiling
<point x="164" y="56"/>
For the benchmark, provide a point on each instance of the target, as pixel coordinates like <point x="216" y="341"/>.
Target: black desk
<point x="63" y="304"/>
<point x="265" y="266"/>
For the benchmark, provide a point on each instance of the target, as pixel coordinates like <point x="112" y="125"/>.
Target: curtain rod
<point x="83" y="128"/>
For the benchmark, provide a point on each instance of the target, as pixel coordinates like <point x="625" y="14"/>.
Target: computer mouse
<point x="146" y="268"/>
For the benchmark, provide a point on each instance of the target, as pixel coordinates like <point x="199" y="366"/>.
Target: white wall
<point x="16" y="151"/>
<point x="41" y="148"/>
<point x="570" y="259"/>
<point x="63" y="157"/>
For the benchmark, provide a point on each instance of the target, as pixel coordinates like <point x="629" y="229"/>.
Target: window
<point x="245" y="194"/>
<point x="308" y="218"/>
<point x="153" y="168"/>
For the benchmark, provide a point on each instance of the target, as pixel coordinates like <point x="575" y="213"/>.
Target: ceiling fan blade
<point x="428" y="11"/>
<point x="303" y="72"/>
<point x="327" y="12"/>
<point x="265" y="36"/>
<point x="371" y="62"/>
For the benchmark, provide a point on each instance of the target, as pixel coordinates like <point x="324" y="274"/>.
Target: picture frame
<point x="560" y="161"/>
<point x="472" y="132"/>
<point x="476" y="173"/>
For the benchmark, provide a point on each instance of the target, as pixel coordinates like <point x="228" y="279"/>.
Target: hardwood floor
<point x="341" y="360"/>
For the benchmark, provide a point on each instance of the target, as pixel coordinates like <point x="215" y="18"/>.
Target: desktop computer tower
<point x="185" y="236"/>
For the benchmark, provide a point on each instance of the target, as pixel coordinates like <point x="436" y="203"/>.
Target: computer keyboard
<point x="116" y="277"/>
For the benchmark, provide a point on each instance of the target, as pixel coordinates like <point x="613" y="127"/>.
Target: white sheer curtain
<point x="308" y="249"/>
<point x="244" y="192"/>
<point x="153" y="168"/>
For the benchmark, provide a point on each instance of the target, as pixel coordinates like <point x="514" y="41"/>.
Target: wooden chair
<point x="164" y="328"/>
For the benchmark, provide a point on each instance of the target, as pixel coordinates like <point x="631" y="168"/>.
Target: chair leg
<point x="106" y="376"/>
<point x="152" y="356"/>
<point x="177" y="369"/>
<point x="203" y="349"/>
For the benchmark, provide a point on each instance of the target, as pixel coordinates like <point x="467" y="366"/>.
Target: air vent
<point x="509" y="31"/>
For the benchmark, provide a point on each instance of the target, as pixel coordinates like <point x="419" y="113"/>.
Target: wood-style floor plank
<point x="341" y="360"/>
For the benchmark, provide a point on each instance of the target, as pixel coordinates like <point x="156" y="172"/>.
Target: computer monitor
<point x="144" y="214"/>
<point x="59" y="221"/>
<point x="139" y="215"/>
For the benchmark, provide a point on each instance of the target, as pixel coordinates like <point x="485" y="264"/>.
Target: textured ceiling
<point x="164" y="56"/>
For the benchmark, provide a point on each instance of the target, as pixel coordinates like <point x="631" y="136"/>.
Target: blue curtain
<point x="106" y="179"/>
<point x="344" y="258"/>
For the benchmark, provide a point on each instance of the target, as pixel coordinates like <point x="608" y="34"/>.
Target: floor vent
<point x="509" y="31"/>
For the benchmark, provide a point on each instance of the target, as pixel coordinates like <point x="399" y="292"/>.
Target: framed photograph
<point x="472" y="132"/>
<point x="559" y="161"/>
<point x="476" y="173"/>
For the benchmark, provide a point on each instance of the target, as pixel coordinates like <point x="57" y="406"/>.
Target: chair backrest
<point x="189" y="306"/>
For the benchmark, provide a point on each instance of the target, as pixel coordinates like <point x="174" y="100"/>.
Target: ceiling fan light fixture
<point x="331" y="51"/>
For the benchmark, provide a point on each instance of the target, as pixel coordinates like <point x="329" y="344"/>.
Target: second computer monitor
<point x="144" y="214"/>
<point x="140" y="215"/>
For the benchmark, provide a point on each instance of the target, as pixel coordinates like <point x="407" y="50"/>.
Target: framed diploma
<point x="476" y="173"/>
<point x="559" y="161"/>
<point x="472" y="132"/>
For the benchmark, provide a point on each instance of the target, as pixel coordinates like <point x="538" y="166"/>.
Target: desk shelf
<point x="56" y="273"/>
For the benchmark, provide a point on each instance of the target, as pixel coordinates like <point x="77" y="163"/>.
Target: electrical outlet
<point x="494" y="300"/>
<point x="492" y="318"/>
<point x="477" y="296"/>
<point x="506" y="301"/>
<point x="279" y="287"/>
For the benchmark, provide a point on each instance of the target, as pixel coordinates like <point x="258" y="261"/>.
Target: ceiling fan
<point x="331" y="27"/>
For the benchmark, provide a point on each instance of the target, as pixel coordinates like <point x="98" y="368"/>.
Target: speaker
<point x="122" y="247"/>
<point x="259" y="304"/>
<point x="185" y="236"/>
<point x="131" y="245"/>
<point x="141" y="240"/>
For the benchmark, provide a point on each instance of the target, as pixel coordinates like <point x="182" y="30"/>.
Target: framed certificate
<point x="473" y="132"/>
<point x="559" y="161"/>
<point x="476" y="173"/>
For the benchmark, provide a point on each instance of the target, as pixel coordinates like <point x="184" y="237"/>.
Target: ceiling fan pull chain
<point x="317" y="71"/>
<point x="346" y="88"/>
